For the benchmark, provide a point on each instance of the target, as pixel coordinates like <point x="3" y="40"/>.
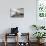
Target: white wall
<point x="23" y="23"/>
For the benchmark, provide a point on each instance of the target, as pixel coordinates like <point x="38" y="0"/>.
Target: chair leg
<point x="5" y="40"/>
<point x="17" y="39"/>
<point x="5" y="43"/>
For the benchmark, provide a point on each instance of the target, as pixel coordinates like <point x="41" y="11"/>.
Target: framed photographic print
<point x="41" y="8"/>
<point x="19" y="12"/>
<point x="41" y="12"/>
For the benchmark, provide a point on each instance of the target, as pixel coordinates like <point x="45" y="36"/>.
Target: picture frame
<point x="40" y="12"/>
<point x="19" y="12"/>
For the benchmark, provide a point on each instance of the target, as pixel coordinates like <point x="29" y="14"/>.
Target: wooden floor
<point x="13" y="44"/>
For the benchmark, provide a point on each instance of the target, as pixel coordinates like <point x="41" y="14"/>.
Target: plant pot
<point x="40" y="41"/>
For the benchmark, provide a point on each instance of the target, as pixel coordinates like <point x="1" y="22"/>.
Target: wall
<point x="24" y="24"/>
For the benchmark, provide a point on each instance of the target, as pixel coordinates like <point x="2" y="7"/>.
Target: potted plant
<point x="39" y="35"/>
<point x="38" y="27"/>
<point x="35" y="26"/>
<point x="42" y="27"/>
